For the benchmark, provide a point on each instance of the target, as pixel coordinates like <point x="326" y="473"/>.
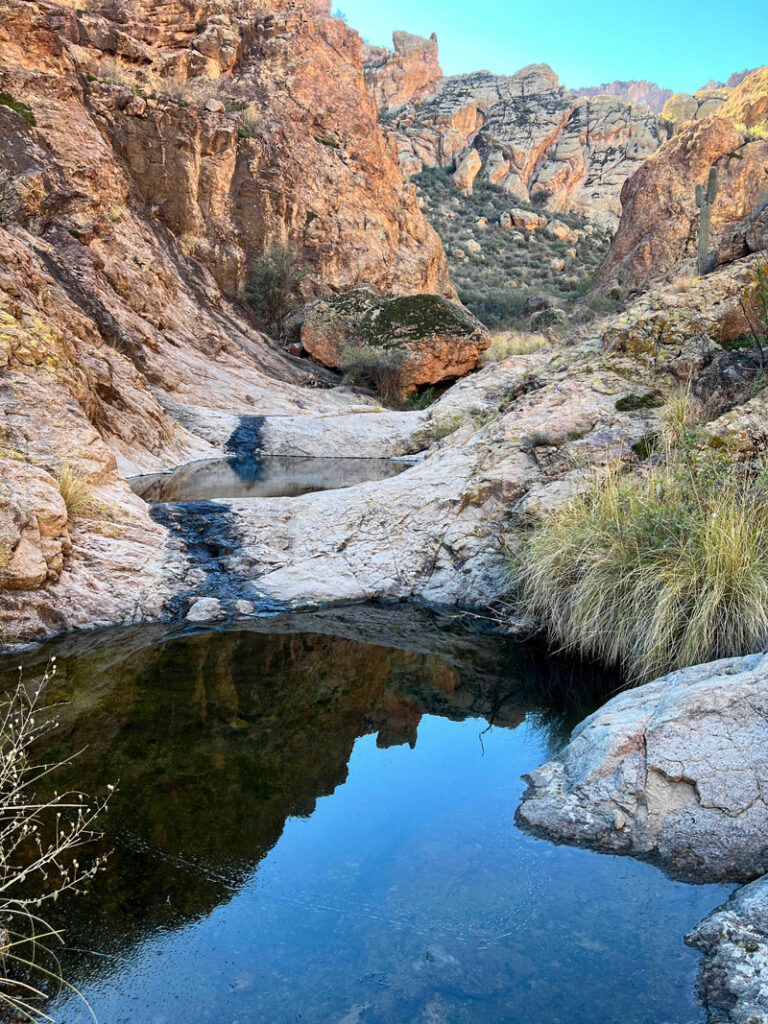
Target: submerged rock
<point x="734" y="944"/>
<point x="673" y="771"/>
<point x="206" y="609"/>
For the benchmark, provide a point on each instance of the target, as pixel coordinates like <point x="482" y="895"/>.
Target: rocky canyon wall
<point x="149" y="155"/>
<point x="659" y="222"/>
<point x="525" y="132"/>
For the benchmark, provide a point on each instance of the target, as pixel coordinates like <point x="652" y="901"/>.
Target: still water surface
<point x="265" y="477"/>
<point x="315" y="823"/>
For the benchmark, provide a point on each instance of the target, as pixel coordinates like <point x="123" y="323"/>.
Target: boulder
<point x="439" y="340"/>
<point x="33" y="527"/>
<point x="673" y="772"/>
<point x="527" y="219"/>
<point x="467" y="169"/>
<point x="206" y="609"/>
<point x="560" y="230"/>
<point x="535" y="303"/>
<point x="734" y="943"/>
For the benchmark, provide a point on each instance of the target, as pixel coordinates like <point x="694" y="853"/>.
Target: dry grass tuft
<point x="658" y="570"/>
<point x="505" y="345"/>
<point x="80" y="500"/>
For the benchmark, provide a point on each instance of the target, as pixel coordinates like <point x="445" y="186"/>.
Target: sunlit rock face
<point x="525" y="133"/>
<point x="660" y="218"/>
<point x="410" y="71"/>
<point x="152" y="153"/>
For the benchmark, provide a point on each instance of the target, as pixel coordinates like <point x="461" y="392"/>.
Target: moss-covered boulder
<point x="434" y="340"/>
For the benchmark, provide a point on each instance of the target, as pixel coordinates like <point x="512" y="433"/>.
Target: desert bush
<point x="272" y="290"/>
<point x="375" y="367"/>
<point x="484" y="285"/>
<point x="40" y="841"/>
<point x="497" y="308"/>
<point x="655" y="570"/>
<point x="505" y="345"/>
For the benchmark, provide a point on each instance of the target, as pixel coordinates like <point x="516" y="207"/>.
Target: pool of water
<point x="315" y="823"/>
<point x="266" y="477"/>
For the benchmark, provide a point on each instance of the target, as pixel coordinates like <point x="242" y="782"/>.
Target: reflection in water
<point x="265" y="477"/>
<point x="315" y="823"/>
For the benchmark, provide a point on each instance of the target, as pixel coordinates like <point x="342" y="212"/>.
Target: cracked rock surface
<point x="673" y="771"/>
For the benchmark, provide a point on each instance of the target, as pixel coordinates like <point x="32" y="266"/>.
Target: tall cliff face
<point x="304" y="162"/>
<point x="659" y="222"/>
<point x="528" y="135"/>
<point x="149" y="154"/>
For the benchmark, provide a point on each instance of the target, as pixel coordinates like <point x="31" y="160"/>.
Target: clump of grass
<point x="374" y="367"/>
<point x="656" y="570"/>
<point x="76" y="492"/>
<point x="80" y="500"/>
<point x="677" y="419"/>
<point x="505" y="345"/>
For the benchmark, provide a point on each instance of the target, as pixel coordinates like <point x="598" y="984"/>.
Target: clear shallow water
<point x="267" y="477"/>
<point x="315" y="824"/>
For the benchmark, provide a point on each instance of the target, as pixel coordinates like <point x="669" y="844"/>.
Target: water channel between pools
<point x="315" y="823"/>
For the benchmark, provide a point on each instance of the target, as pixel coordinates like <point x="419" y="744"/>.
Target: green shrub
<point x="375" y="367"/>
<point x="6" y="100"/>
<point x="421" y="399"/>
<point x="658" y="570"/>
<point x="273" y="288"/>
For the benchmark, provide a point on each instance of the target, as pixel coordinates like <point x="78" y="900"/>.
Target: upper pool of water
<point x="315" y="823"/>
<point x="267" y="477"/>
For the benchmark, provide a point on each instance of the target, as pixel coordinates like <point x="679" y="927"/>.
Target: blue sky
<point x="679" y="44"/>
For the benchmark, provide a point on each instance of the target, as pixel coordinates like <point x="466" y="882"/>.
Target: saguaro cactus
<point x="705" y="202"/>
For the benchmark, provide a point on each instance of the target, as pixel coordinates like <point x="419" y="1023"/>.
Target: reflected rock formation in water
<point x="216" y="739"/>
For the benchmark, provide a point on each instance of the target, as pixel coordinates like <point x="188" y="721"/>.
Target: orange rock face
<point x="659" y="222"/>
<point x="410" y="71"/>
<point x="151" y="153"/>
<point x="524" y="133"/>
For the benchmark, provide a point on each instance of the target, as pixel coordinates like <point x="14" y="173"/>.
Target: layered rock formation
<point x="528" y="135"/>
<point x="659" y="221"/>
